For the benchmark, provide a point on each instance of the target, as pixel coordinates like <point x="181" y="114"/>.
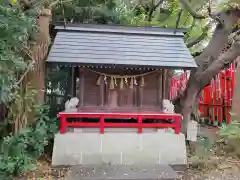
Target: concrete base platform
<point x="116" y="148"/>
<point x="102" y="172"/>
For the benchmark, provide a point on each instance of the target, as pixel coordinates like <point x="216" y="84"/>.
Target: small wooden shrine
<point x="117" y="68"/>
<point x="119" y="73"/>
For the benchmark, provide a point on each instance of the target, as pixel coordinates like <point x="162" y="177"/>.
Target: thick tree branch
<point x="153" y="8"/>
<point x="187" y="5"/>
<point x="226" y="58"/>
<point x="201" y="37"/>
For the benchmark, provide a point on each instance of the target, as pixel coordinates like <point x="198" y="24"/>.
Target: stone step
<point x="123" y="172"/>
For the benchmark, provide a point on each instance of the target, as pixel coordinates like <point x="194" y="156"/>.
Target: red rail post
<point x="101" y="125"/>
<point x="178" y="124"/>
<point x="63" y="125"/>
<point x="139" y="124"/>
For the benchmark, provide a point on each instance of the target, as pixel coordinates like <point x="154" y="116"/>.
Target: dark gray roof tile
<point x="92" y="47"/>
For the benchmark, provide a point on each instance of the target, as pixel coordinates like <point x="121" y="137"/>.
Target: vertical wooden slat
<point x="225" y="96"/>
<point x="81" y="84"/>
<point x="212" y="101"/>
<point x="236" y="91"/>
<point x="219" y="115"/>
<point x="164" y="83"/>
<point x="140" y="96"/>
<point x="73" y="84"/>
<point x="160" y="95"/>
<point x="102" y="94"/>
<point x="228" y="95"/>
<point x="130" y="97"/>
<point x="135" y="101"/>
<point x="167" y="84"/>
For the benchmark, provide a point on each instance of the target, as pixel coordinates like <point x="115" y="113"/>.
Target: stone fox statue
<point x="71" y="104"/>
<point x="168" y="107"/>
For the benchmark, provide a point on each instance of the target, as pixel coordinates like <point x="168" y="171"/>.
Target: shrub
<point x="231" y="136"/>
<point x="19" y="152"/>
<point x="201" y="153"/>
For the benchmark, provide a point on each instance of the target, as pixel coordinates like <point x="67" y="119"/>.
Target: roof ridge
<point x="138" y="30"/>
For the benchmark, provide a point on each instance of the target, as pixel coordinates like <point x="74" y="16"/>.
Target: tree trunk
<point x="186" y="102"/>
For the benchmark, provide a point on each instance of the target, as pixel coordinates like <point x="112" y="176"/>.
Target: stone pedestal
<point x="119" y="148"/>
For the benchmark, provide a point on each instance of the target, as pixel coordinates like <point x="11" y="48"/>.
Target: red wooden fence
<point x="216" y="99"/>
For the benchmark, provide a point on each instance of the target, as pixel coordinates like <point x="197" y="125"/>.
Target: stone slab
<point x="103" y="158"/>
<point x="192" y="131"/>
<point x="123" y="172"/>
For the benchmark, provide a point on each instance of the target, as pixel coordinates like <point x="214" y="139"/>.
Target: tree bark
<point x="38" y="52"/>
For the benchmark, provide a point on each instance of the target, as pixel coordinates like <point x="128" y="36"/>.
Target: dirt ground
<point x="219" y="164"/>
<point x="227" y="169"/>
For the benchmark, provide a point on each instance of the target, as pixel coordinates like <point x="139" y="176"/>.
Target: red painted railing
<point x="102" y="124"/>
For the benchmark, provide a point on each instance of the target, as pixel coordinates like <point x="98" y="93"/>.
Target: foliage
<point x="15" y="30"/>
<point x="231" y="135"/>
<point x="19" y="152"/>
<point x="56" y="79"/>
<point x="85" y="11"/>
<point x="133" y="13"/>
<point x="21" y="108"/>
